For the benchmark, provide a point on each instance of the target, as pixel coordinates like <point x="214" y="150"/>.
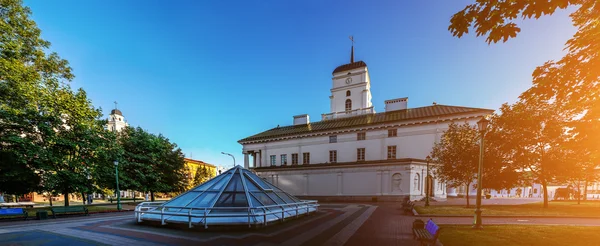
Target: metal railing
<point x="205" y="212"/>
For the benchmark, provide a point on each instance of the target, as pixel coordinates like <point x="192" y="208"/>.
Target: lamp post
<point x="118" y="192"/>
<point x="231" y="157"/>
<point x="428" y="158"/>
<point x="481" y="125"/>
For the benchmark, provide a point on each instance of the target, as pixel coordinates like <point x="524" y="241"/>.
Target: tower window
<point x="348" y="93"/>
<point x="348" y="104"/>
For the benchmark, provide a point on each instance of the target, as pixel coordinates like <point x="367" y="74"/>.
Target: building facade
<point x="192" y="168"/>
<point x="353" y="152"/>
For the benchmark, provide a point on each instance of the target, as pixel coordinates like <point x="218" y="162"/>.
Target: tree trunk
<point x="66" y="199"/>
<point x="585" y="190"/>
<point x="468" y="184"/>
<point x="579" y="192"/>
<point x="50" y="200"/>
<point x="545" y="187"/>
<point x="83" y="197"/>
<point x="152" y="196"/>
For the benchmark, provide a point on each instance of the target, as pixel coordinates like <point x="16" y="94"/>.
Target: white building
<point x="354" y="153"/>
<point x="116" y="121"/>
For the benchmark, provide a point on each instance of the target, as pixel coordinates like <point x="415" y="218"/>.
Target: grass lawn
<point x="567" y="208"/>
<point x="529" y="235"/>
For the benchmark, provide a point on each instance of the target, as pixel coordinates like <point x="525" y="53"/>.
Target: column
<point x="386" y="182"/>
<point x="339" y="184"/>
<point x="276" y="179"/>
<point x="259" y="158"/>
<point x="422" y="181"/>
<point x="378" y="183"/>
<point x="306" y="184"/>
<point x="253" y="159"/>
<point x="246" y="160"/>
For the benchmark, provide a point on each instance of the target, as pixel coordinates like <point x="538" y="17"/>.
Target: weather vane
<point x="115" y="104"/>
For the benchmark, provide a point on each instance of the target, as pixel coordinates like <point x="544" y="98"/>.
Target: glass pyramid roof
<point x="235" y="191"/>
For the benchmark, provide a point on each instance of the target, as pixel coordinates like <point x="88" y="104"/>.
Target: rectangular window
<point x="306" y="158"/>
<point x="333" y="139"/>
<point x="333" y="156"/>
<point x="295" y="159"/>
<point x="273" y="160"/>
<point x="392" y="133"/>
<point x="391" y="152"/>
<point x="283" y="159"/>
<point x="360" y="154"/>
<point x="361" y="136"/>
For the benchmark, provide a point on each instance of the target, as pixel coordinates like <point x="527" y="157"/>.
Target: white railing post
<point x="296" y="210"/>
<point x="162" y="216"/>
<point x="265" y="216"/>
<point x="205" y="220"/>
<point x="190" y="218"/>
<point x="282" y="213"/>
<point x="249" y="211"/>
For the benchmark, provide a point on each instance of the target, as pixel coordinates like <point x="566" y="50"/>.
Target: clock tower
<point x="350" y="90"/>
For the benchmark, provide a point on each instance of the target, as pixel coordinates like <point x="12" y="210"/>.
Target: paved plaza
<point x="333" y="224"/>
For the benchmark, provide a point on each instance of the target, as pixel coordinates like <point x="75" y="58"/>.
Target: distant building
<point x="353" y="152"/>
<point x="193" y="165"/>
<point x="116" y="121"/>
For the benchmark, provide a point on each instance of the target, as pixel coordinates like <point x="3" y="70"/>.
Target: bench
<point x="408" y="207"/>
<point x="111" y="200"/>
<point x="13" y="212"/>
<point x="68" y="210"/>
<point x="427" y="235"/>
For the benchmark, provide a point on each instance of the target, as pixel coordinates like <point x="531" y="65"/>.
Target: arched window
<point x="417" y="182"/>
<point x="348" y="93"/>
<point x="396" y="182"/>
<point x="348" y="104"/>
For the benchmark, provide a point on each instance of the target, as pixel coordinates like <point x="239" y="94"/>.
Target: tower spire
<point x="352" y="51"/>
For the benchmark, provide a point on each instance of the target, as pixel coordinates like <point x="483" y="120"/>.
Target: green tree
<point x="457" y="159"/>
<point x="533" y="139"/>
<point x="572" y="83"/>
<point x="150" y="163"/>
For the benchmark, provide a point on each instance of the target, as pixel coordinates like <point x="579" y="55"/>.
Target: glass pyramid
<point x="237" y="196"/>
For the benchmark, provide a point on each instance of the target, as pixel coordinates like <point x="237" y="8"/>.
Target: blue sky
<point x="208" y="73"/>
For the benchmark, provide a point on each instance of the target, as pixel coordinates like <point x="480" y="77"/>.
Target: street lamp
<point x="428" y="158"/>
<point x="481" y="125"/>
<point x="231" y="157"/>
<point x="118" y="192"/>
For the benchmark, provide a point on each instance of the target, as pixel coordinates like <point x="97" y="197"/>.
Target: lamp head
<point x="116" y="163"/>
<point x="482" y="124"/>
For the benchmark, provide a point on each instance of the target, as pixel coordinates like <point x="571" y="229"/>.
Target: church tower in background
<point x="350" y="90"/>
<point x="116" y="120"/>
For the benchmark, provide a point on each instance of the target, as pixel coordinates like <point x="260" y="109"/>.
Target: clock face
<point x="348" y="80"/>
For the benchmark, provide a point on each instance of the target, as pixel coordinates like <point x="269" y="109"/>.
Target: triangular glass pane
<point x="235" y="184"/>
<point x="232" y="199"/>
<point x="285" y="197"/>
<point x="219" y="185"/>
<point x="209" y="183"/>
<point x="250" y="185"/>
<point x="203" y="200"/>
<point x="275" y="198"/>
<point x="263" y="198"/>
<point x="257" y="180"/>
<point x="183" y="199"/>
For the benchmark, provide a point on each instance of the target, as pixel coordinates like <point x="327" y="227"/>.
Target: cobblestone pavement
<point x="333" y="224"/>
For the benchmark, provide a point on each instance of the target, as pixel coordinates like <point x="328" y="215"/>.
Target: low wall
<point x="354" y="198"/>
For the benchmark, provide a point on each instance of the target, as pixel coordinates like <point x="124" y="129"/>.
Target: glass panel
<point x="204" y="200"/>
<point x="275" y="198"/>
<point x="232" y="199"/>
<point x="286" y="198"/>
<point x="257" y="180"/>
<point x="219" y="185"/>
<point x="255" y="202"/>
<point x="183" y="200"/>
<point x="208" y="184"/>
<point x="263" y="198"/>
<point x="293" y="198"/>
<point x="235" y="184"/>
<point x="273" y="187"/>
<point x="250" y="185"/>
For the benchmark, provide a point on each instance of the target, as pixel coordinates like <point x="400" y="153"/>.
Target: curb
<point x="504" y="216"/>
